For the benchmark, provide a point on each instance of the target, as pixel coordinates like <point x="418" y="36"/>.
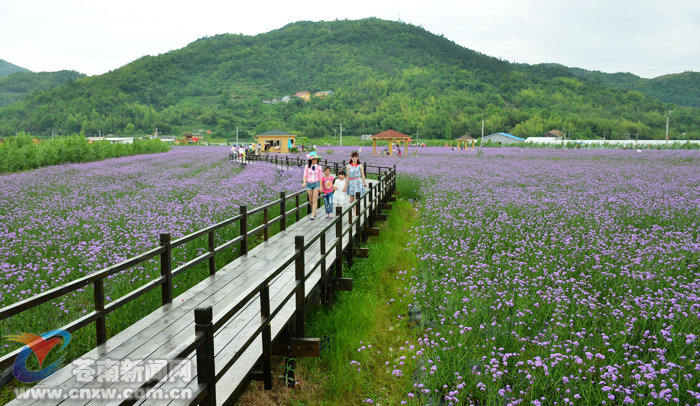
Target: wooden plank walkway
<point x="170" y="331"/>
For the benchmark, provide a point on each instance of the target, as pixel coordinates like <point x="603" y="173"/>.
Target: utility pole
<point x="236" y="134"/>
<point x="482" y="133"/>
<point x="341" y="135"/>
<point x="51" y="134"/>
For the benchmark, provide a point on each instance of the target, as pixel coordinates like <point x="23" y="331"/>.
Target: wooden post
<point x="374" y="146"/>
<point x="101" y="323"/>
<point x="339" y="247"/>
<point x="212" y="263"/>
<point x="283" y="211"/>
<point x="265" y="219"/>
<point x="297" y="203"/>
<point x="244" y="230"/>
<point x="405" y="142"/>
<point x="358" y="227"/>
<point x="391" y="147"/>
<point x="371" y="205"/>
<point x="266" y="336"/>
<point x="206" y="370"/>
<point x="365" y="223"/>
<point x="350" y="242"/>
<point x="300" y="271"/>
<point x="323" y="269"/>
<point x="336" y="169"/>
<point x="166" y="269"/>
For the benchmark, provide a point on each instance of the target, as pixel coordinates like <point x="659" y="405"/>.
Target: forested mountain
<point x="7" y="68"/>
<point x="384" y="75"/>
<point x="682" y="89"/>
<point x="17" y="85"/>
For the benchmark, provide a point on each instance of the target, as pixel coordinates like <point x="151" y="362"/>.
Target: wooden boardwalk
<point x="228" y="326"/>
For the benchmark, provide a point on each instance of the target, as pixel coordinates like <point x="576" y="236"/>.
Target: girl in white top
<point x="340" y="198"/>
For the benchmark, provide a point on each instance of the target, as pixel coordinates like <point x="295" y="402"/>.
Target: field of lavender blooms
<point x="551" y="277"/>
<point x="60" y="223"/>
<point x="547" y="277"/>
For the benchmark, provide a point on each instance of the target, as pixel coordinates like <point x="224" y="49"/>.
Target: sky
<point x="644" y="37"/>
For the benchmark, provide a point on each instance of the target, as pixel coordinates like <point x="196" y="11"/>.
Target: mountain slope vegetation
<point x="682" y="89"/>
<point x="17" y="85"/>
<point x="7" y="68"/>
<point x="384" y="75"/>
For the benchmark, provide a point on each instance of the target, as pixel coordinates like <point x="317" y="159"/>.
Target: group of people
<point x="317" y="180"/>
<point x="241" y="151"/>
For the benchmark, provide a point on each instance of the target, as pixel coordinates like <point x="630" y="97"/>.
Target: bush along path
<point x="362" y="334"/>
<point x="22" y="153"/>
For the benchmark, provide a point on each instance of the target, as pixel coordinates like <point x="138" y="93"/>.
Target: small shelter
<point x="554" y="134"/>
<point x="466" y="138"/>
<point x="279" y="141"/>
<point x="391" y="136"/>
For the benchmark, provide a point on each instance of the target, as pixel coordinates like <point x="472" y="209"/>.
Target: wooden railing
<point x="165" y="280"/>
<point x="368" y="207"/>
<point x="371" y="171"/>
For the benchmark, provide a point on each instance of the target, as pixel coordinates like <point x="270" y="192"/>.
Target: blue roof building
<point x="503" y="138"/>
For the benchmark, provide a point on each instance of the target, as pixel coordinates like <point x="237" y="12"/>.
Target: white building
<point x="503" y="138"/>
<point x="120" y="140"/>
<point x="553" y="142"/>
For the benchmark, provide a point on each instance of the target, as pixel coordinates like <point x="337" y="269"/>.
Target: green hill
<point x="7" y="68"/>
<point x="682" y="89"/>
<point x="17" y="85"/>
<point x="383" y="74"/>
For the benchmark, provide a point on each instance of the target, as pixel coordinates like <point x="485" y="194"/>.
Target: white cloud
<point x="648" y="38"/>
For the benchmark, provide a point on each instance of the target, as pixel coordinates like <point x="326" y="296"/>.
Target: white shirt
<point x="340" y="198"/>
<point x="241" y="150"/>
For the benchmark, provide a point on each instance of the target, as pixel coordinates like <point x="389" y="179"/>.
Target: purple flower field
<point x="551" y="278"/>
<point x="546" y="277"/>
<point x="60" y="223"/>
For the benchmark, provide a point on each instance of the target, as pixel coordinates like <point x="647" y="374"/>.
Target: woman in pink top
<point x="312" y="181"/>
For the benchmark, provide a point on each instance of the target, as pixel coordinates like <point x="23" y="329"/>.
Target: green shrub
<point x="20" y="153"/>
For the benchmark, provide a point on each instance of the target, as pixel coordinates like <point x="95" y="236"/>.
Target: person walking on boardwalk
<point x="340" y="198"/>
<point x="312" y="180"/>
<point x="356" y="179"/>
<point x="328" y="191"/>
